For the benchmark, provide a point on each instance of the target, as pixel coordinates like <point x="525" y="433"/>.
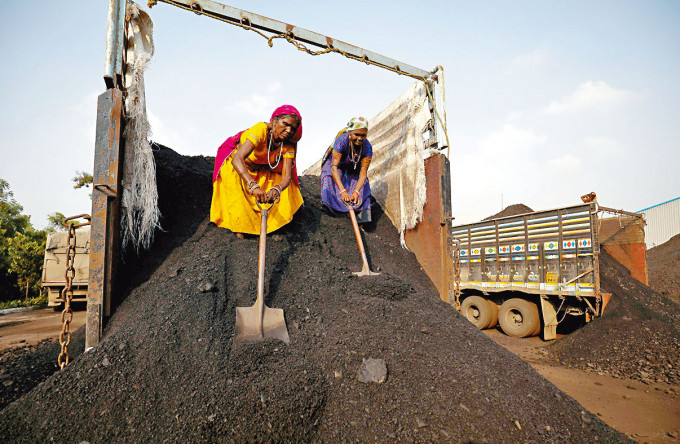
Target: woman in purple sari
<point x="344" y="173"/>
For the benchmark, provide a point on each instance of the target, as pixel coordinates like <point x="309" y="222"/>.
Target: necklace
<point x="355" y="158"/>
<point x="269" y="151"/>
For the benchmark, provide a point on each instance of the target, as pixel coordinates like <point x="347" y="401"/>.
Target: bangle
<point x="250" y="184"/>
<point x="277" y="188"/>
<point x="355" y="191"/>
<point x="343" y="191"/>
<point x="253" y="188"/>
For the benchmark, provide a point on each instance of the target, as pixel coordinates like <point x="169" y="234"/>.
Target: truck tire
<point x="477" y="310"/>
<point x="494" y="314"/>
<point x="519" y="318"/>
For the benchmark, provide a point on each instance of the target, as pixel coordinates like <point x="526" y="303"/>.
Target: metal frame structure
<point x="109" y="149"/>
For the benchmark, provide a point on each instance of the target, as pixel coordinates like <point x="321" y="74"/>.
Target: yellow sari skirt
<point x="234" y="208"/>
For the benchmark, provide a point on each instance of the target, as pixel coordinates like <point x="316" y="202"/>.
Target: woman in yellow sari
<point x="258" y="166"/>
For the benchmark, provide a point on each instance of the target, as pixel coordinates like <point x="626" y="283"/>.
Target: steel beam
<point x="104" y="234"/>
<point x="430" y="240"/>
<point x="262" y="23"/>
<point x="113" y="69"/>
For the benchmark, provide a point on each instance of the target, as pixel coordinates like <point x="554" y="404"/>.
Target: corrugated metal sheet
<point x="663" y="222"/>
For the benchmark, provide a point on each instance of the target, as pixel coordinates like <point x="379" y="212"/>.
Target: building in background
<point x="663" y="222"/>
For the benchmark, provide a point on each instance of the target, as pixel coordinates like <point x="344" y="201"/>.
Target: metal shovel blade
<point x="250" y="327"/>
<point x="259" y="321"/>
<point x="365" y="271"/>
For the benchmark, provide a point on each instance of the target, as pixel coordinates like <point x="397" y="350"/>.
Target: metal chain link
<point x="67" y="292"/>
<point x="456" y="267"/>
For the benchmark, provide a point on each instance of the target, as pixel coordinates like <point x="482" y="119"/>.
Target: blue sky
<point x="545" y="100"/>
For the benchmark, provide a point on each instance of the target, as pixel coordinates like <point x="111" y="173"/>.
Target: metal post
<point x="105" y="206"/>
<point x="108" y="161"/>
<point x="115" y="29"/>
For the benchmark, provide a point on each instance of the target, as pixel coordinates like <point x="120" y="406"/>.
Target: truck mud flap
<point x="549" y="315"/>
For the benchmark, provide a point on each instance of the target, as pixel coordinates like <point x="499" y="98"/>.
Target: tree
<point x="82" y="179"/>
<point x="12" y="222"/>
<point x="55" y="221"/>
<point x="11" y="219"/>
<point x="21" y="248"/>
<point x="27" y="252"/>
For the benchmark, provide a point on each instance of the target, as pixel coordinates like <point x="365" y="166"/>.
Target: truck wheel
<point x="477" y="310"/>
<point x="518" y="318"/>
<point x="494" y="314"/>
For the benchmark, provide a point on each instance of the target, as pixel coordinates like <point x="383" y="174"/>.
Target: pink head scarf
<point x="290" y="109"/>
<point x="229" y="145"/>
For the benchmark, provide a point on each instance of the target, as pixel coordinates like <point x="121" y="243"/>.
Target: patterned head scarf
<point x="290" y="109"/>
<point x="356" y="123"/>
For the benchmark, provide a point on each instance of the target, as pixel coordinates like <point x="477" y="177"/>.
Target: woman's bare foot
<point x="239" y="235"/>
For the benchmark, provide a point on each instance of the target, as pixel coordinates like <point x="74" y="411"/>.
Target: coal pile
<point x="511" y="210"/>
<point x="637" y="337"/>
<point x="23" y="368"/>
<point x="663" y="267"/>
<point x="168" y="370"/>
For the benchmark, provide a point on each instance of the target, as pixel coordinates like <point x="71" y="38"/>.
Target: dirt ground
<point x="30" y="327"/>
<point x="648" y="413"/>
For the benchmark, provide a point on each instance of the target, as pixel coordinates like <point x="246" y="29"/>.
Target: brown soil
<point x="637" y="337"/>
<point x="168" y="370"/>
<point x="663" y="267"/>
<point x="648" y="413"/>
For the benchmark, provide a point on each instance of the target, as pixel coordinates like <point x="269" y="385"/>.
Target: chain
<point x="67" y="292"/>
<point x="304" y="48"/>
<point x="456" y="267"/>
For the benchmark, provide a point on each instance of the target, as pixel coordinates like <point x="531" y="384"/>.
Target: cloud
<point x="83" y="118"/>
<point x="588" y="95"/>
<point x="566" y="163"/>
<point x="273" y="87"/>
<point x="510" y="140"/>
<point x="603" y="145"/>
<point x="526" y="61"/>
<point x="163" y="134"/>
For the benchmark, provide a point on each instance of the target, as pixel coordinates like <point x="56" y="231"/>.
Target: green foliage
<point x="39" y="302"/>
<point x="22" y="249"/>
<point x="11" y="219"/>
<point x="27" y="252"/>
<point x="55" y="220"/>
<point x="82" y="179"/>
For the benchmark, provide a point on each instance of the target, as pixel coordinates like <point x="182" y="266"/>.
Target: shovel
<point x="259" y="321"/>
<point x="365" y="270"/>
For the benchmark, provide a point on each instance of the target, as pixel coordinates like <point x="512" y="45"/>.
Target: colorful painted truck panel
<point x="546" y="252"/>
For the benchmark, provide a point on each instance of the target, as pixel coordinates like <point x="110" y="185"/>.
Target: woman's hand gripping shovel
<point x="259" y="321"/>
<point x="365" y="270"/>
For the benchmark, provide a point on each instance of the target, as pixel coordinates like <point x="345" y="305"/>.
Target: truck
<point x="54" y="267"/>
<point x="527" y="272"/>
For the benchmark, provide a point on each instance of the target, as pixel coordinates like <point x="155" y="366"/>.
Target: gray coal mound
<point x="167" y="369"/>
<point x="23" y="368"/>
<point x="663" y="266"/>
<point x="638" y="336"/>
<point x="511" y="210"/>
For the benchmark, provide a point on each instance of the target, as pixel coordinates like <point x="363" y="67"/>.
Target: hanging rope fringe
<point x="140" y="214"/>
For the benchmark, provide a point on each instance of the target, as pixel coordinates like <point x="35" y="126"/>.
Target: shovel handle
<point x="357" y="233"/>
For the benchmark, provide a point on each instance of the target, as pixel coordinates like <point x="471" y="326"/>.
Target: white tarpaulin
<point x="397" y="172"/>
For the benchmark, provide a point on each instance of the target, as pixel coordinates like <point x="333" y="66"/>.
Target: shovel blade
<point x="249" y="326"/>
<point x="365" y="271"/>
